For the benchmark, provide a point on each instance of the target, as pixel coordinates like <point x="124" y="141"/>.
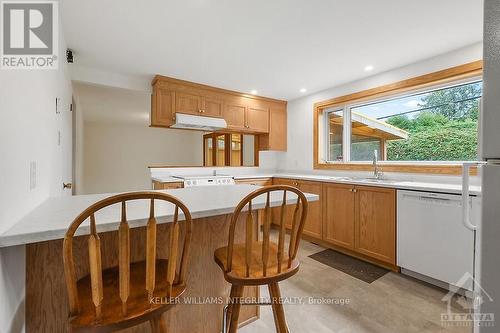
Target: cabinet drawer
<point x="255" y="181"/>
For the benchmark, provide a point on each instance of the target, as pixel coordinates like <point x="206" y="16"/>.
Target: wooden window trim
<point x="465" y="71"/>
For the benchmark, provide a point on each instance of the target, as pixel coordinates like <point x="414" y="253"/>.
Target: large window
<point x="432" y="124"/>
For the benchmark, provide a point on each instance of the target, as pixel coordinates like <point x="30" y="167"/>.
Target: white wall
<point x="300" y="111"/>
<point x="28" y="132"/>
<point x="117" y="156"/>
<point x="115" y="144"/>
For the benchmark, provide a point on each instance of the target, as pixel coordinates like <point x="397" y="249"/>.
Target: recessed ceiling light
<point x="303" y="90"/>
<point x="369" y="68"/>
<point x="254" y="92"/>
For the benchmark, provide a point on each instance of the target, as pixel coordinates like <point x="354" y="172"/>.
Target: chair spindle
<point x="266" y="234"/>
<point x="151" y="250"/>
<point x="281" y="239"/>
<point x="249" y="238"/>
<point x="293" y="237"/>
<point x="95" y="264"/>
<point x="173" y="251"/>
<point x="124" y="259"/>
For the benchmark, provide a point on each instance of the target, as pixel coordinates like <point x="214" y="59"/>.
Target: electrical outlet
<point x="32" y="175"/>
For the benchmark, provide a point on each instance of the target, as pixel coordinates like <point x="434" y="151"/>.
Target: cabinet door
<point x="276" y="211"/>
<point x="375" y="223"/>
<point x="162" y="112"/>
<point x="187" y="103"/>
<point x="212" y="107"/>
<point x="276" y="139"/>
<point x="339" y="215"/>
<point x="234" y="114"/>
<point x="257" y="117"/>
<point x="313" y="226"/>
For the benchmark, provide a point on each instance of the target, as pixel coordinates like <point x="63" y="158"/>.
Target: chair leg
<point x="278" y="312"/>
<point x="234" y="308"/>
<point x="158" y="325"/>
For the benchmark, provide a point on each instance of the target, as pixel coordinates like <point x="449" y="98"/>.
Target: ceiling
<point x="276" y="47"/>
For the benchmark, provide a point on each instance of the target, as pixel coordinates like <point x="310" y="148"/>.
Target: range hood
<point x="188" y="121"/>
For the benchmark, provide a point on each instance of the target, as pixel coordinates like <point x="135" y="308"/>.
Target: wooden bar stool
<point x="256" y="263"/>
<point x="122" y="296"/>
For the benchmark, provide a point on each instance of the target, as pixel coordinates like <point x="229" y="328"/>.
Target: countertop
<point x="390" y="183"/>
<point x="51" y="219"/>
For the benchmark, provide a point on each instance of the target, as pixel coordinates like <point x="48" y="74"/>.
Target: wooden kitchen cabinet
<point x="339" y="215"/>
<point x="375" y="223"/>
<point x="188" y="103"/>
<point x="162" y="107"/>
<point x="314" y="221"/>
<point x="277" y="137"/>
<point x="257" y="117"/>
<point x="313" y="225"/>
<point x="264" y="117"/>
<point x="235" y="113"/>
<point x="247" y="115"/>
<point x="166" y="186"/>
<point x="212" y="106"/>
<point x="255" y="181"/>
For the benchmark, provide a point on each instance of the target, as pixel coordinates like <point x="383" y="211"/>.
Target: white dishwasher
<point x="431" y="238"/>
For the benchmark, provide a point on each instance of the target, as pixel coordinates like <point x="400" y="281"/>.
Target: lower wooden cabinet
<point x="255" y="181"/>
<point x="314" y="221"/>
<point x="339" y="215"/>
<point x="167" y="186"/>
<point x="375" y="223"/>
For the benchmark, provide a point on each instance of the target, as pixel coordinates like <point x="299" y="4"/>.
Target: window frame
<point x="469" y="72"/>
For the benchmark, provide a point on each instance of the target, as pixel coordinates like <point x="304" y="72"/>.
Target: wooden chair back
<point x="178" y="250"/>
<point x="297" y="226"/>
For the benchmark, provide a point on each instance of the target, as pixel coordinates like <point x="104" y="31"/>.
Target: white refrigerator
<point x="489" y="230"/>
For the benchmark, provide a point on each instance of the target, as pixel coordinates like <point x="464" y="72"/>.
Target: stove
<point x="206" y="180"/>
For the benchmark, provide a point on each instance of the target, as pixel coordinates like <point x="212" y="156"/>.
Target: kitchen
<point x="382" y="162"/>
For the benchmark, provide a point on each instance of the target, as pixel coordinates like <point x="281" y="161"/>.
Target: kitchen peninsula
<point x="42" y="231"/>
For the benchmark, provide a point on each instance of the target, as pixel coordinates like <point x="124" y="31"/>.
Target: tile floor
<point x="393" y="303"/>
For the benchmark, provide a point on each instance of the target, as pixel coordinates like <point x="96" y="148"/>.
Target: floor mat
<point x="359" y="269"/>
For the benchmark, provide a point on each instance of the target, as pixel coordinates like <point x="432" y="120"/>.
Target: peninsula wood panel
<point x="339" y="215"/>
<point x="47" y="305"/>
<point x="375" y="223"/>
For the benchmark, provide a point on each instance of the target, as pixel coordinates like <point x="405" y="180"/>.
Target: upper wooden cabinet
<point x="243" y="113"/>
<point x="162" y="104"/>
<point x="257" y="117"/>
<point x="277" y="137"/>
<point x="212" y="106"/>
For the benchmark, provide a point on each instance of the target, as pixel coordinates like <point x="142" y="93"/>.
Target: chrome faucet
<point x="376" y="170"/>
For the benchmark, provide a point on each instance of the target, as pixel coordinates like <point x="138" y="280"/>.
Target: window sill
<point x="445" y="168"/>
